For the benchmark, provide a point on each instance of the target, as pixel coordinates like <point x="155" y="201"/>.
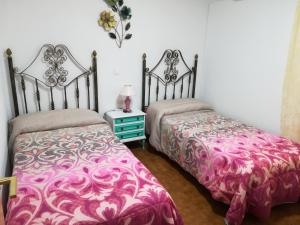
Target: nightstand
<point x="127" y="126"/>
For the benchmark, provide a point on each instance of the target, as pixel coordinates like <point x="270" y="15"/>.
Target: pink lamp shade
<point x="127" y="92"/>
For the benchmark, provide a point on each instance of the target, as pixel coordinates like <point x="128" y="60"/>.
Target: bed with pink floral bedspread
<point x="244" y="167"/>
<point x="84" y="176"/>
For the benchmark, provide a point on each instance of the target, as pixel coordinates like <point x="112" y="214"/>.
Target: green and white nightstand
<point x="127" y="126"/>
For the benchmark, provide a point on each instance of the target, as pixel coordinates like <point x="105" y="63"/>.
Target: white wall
<point x="156" y="25"/>
<point x="245" y="59"/>
<point x="25" y="25"/>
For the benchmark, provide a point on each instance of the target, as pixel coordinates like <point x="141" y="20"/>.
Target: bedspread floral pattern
<point x="244" y="167"/>
<point x="84" y="176"/>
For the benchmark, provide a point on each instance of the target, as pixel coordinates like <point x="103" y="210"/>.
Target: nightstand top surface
<point x="118" y="113"/>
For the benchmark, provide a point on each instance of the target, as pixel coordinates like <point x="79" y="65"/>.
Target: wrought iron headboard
<point x="170" y="77"/>
<point x="55" y="76"/>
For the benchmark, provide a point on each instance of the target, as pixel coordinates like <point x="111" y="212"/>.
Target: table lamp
<point x="127" y="93"/>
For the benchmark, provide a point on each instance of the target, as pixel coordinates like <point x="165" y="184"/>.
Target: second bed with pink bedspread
<point x="244" y="167"/>
<point x="83" y="175"/>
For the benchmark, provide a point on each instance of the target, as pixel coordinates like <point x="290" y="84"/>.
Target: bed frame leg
<point x="143" y="144"/>
<point x="12" y="181"/>
<point x="225" y="221"/>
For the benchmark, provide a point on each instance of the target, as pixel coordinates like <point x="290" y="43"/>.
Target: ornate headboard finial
<point x="144" y="56"/>
<point x="94" y="54"/>
<point x="196" y="56"/>
<point x="8" y="52"/>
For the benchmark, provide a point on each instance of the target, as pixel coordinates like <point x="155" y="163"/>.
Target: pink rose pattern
<point x="242" y="166"/>
<point x="84" y="176"/>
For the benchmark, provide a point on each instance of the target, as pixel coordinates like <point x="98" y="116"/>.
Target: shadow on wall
<point x="119" y="102"/>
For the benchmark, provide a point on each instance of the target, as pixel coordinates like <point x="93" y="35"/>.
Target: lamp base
<point x="127" y="104"/>
<point x="127" y="111"/>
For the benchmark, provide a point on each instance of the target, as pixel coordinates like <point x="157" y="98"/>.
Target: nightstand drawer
<point x="129" y="127"/>
<point x="133" y="134"/>
<point x="129" y="119"/>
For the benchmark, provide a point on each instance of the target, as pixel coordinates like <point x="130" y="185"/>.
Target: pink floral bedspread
<point x="244" y="167"/>
<point x="84" y="176"/>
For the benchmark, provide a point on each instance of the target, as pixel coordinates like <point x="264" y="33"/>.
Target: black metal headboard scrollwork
<point x="55" y="76"/>
<point x="169" y="76"/>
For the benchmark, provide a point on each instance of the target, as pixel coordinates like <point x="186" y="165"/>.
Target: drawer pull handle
<point x="126" y="136"/>
<point x="129" y="119"/>
<point x="129" y="127"/>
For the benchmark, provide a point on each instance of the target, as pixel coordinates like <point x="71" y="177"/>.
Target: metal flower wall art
<point x="116" y="21"/>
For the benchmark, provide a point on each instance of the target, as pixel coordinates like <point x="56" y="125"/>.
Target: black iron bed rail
<point x="55" y="77"/>
<point x="170" y="77"/>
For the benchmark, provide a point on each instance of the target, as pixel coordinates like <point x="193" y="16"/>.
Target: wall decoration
<point x="118" y="29"/>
